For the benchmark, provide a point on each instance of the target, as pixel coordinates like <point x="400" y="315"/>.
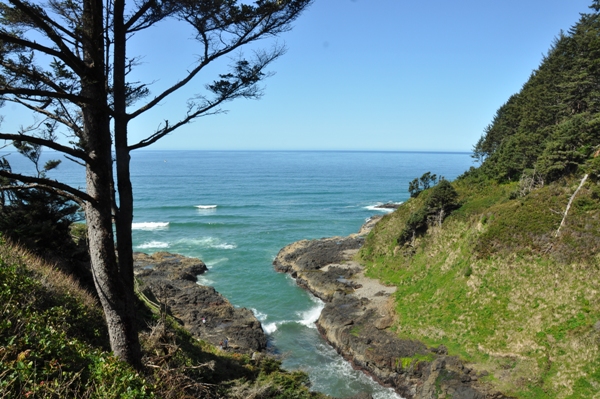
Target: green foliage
<point x="51" y="344"/>
<point x="440" y="201"/>
<point x="498" y="288"/>
<point x="498" y="285"/>
<point x="39" y="220"/>
<point x="423" y="183"/>
<point x="552" y="124"/>
<point x="406" y="362"/>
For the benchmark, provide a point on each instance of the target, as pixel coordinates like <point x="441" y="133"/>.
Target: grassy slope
<point x="498" y="289"/>
<point x="53" y="344"/>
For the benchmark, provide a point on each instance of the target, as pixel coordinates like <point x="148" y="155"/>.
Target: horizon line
<point x="305" y="150"/>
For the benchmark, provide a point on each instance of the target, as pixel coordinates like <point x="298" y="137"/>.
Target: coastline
<point x="171" y="280"/>
<point x="358" y="317"/>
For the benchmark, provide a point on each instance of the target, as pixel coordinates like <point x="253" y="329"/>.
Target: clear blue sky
<point x="369" y="75"/>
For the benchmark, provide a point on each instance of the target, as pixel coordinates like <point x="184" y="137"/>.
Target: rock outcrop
<point x="168" y="279"/>
<point x="357" y="318"/>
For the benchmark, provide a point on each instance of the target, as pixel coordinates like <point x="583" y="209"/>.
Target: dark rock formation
<point x="170" y="280"/>
<point x="357" y="317"/>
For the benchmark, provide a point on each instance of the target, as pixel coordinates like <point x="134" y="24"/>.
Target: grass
<point x="53" y="344"/>
<point x="499" y="290"/>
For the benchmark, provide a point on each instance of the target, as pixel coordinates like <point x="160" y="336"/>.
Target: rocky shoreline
<point x="169" y="279"/>
<point x="357" y="320"/>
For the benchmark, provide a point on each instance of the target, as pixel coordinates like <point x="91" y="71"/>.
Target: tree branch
<point x="32" y="45"/>
<point x="68" y="123"/>
<point x="136" y="17"/>
<point x="168" y="92"/>
<point x="45" y="93"/>
<point x="169" y="129"/>
<point x="46" y="188"/>
<point x="562" y="222"/>
<point x="69" y="58"/>
<point x="47" y="143"/>
<point x="49" y="184"/>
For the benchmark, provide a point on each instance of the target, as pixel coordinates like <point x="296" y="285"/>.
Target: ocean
<point x="235" y="210"/>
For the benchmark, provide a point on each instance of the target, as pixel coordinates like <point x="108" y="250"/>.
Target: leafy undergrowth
<point x="499" y="288"/>
<point x="53" y="344"/>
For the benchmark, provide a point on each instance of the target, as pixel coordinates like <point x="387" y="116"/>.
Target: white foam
<point x="206" y="206"/>
<point x="270" y="328"/>
<point x="340" y="367"/>
<point x="215" y="262"/>
<point x="207" y="242"/>
<point x="150" y="226"/>
<point x="153" y="244"/>
<point x="201" y="280"/>
<point x="309" y="317"/>
<point x="377" y="205"/>
<point x="225" y="246"/>
<point x="259" y="315"/>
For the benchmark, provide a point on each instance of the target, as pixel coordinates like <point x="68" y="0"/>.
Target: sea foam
<point x="150" y="226"/>
<point x="153" y="244"/>
<point x="214" y="242"/>
<point x="214" y="262"/>
<point x="386" y="210"/>
<point x="202" y="280"/>
<point x="337" y="366"/>
<point x="309" y="317"/>
<point x="259" y="315"/>
<point x="206" y="206"/>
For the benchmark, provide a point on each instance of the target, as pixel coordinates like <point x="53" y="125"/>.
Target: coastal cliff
<point x="357" y="320"/>
<point x="170" y="280"/>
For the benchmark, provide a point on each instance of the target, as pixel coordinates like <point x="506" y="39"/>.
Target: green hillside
<point x="501" y="282"/>
<point x="53" y="344"/>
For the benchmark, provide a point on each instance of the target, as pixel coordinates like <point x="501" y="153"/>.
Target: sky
<point x="377" y="75"/>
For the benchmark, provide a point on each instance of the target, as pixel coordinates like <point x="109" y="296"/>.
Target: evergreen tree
<point x="67" y="62"/>
<point x="552" y="125"/>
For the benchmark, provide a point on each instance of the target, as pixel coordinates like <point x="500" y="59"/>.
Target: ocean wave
<point x="215" y="262"/>
<point x="377" y="206"/>
<point x="153" y="244"/>
<point x="270" y="328"/>
<point x="259" y="315"/>
<point x="309" y="317"/>
<point x="337" y="366"/>
<point x="202" y="280"/>
<point x="207" y="243"/>
<point x="206" y="206"/>
<point x="150" y="226"/>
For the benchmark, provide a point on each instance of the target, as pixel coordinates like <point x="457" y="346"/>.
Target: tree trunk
<point x="116" y="296"/>
<point x="124" y="217"/>
<point x="115" y="292"/>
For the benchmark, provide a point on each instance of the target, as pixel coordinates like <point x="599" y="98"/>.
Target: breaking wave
<point x="150" y="226"/>
<point x="153" y="244"/>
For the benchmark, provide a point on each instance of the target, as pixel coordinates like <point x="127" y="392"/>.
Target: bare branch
<point x="47" y="143"/>
<point x="562" y="222"/>
<point x="68" y="123"/>
<point x="168" y="92"/>
<point x="171" y="128"/>
<point x="130" y="25"/>
<point x="75" y="160"/>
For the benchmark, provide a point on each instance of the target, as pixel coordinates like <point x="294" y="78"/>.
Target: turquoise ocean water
<point x="236" y="210"/>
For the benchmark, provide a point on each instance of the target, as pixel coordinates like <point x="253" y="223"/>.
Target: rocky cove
<point x="358" y="320"/>
<point x="170" y="280"/>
